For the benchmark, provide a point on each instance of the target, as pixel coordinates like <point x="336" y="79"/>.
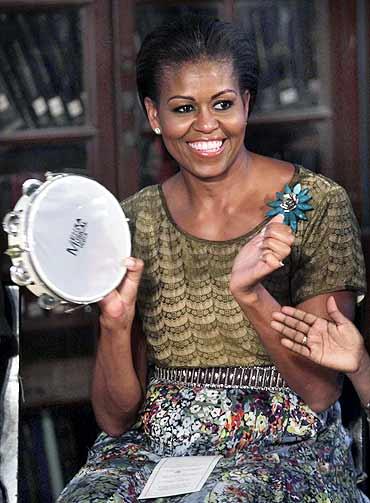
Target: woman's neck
<point x="220" y="192"/>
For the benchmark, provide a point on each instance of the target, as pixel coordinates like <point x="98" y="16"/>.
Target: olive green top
<point x="189" y="317"/>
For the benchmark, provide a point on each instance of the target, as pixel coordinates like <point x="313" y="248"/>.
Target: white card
<point x="178" y="475"/>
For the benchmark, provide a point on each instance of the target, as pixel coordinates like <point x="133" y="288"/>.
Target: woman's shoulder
<point x="320" y="186"/>
<point x="280" y="173"/>
<point x="146" y="199"/>
<point x="331" y="207"/>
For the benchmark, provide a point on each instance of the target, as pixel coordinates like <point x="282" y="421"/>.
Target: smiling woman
<point x="200" y="370"/>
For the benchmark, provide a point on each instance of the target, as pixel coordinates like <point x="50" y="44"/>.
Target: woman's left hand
<point x="261" y="256"/>
<point x="336" y="344"/>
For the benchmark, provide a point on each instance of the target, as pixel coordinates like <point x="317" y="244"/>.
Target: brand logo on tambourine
<point x="78" y="237"/>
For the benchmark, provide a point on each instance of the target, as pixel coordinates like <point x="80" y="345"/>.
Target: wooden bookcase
<point x="325" y="131"/>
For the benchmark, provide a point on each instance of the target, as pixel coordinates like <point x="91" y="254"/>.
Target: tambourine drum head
<point x="78" y="237"/>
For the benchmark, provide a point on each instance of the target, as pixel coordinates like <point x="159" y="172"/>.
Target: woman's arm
<point x="120" y="366"/>
<point x="317" y="386"/>
<point x="335" y="344"/>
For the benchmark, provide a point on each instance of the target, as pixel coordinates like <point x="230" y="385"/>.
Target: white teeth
<point x="206" y="145"/>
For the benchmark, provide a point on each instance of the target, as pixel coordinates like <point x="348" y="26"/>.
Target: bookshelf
<point x="81" y="115"/>
<point x="50" y="121"/>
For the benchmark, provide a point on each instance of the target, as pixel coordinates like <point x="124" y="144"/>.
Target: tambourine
<point x="68" y="237"/>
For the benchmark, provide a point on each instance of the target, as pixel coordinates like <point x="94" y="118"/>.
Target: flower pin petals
<point x="297" y="189"/>
<point x="292" y="203"/>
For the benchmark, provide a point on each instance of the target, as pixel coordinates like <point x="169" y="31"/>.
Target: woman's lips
<point x="207" y="148"/>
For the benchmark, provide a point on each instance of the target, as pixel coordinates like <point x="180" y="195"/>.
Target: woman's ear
<point x="152" y="113"/>
<point x="246" y="98"/>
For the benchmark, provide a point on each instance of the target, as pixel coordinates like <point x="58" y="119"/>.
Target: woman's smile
<point x="207" y="148"/>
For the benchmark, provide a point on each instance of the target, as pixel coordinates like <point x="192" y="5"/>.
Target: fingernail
<point x="281" y="263"/>
<point x="128" y="262"/>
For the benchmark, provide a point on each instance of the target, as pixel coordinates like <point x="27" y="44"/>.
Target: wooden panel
<point x="56" y="381"/>
<point x="346" y="166"/>
<point x="126" y="102"/>
<point x="348" y="163"/>
<point x="40" y="4"/>
<point x="51" y="135"/>
<point x="318" y="113"/>
<point x="99" y="67"/>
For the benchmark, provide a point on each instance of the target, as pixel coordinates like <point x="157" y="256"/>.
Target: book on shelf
<point x="17" y="61"/>
<point x="10" y="118"/>
<point x="35" y="55"/>
<point x="67" y="33"/>
<point x="41" y="66"/>
<point x="59" y="71"/>
<point x="305" y="54"/>
<point x="284" y="45"/>
<point x="286" y="51"/>
<point x="17" y="95"/>
<point x="264" y="31"/>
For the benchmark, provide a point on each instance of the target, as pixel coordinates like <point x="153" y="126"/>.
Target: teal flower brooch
<point x="292" y="203"/>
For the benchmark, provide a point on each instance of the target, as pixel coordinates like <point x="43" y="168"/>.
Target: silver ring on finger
<point x="304" y="340"/>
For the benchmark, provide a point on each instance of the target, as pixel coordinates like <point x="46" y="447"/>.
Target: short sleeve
<point x="127" y="206"/>
<point x="328" y="255"/>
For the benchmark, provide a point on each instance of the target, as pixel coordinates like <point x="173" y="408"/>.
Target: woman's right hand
<point x="335" y="344"/>
<point x="261" y="256"/>
<point x="118" y="307"/>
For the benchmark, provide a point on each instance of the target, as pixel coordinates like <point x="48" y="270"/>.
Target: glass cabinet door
<point x="291" y="117"/>
<point x="285" y="35"/>
<point x="41" y="77"/>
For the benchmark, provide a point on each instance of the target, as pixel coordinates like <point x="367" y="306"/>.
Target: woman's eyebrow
<point x="180" y="97"/>
<point x="190" y="98"/>
<point x="223" y="92"/>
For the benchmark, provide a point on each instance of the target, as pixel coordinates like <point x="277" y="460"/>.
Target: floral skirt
<point x="274" y="448"/>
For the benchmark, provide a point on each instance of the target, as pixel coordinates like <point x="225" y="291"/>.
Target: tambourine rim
<point x="37" y="267"/>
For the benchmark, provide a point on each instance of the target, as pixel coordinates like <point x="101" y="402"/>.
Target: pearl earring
<point x="157" y="130"/>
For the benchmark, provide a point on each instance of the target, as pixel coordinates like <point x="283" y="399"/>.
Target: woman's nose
<point x="205" y="121"/>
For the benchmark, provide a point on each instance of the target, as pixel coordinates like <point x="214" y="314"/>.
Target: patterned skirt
<point x="274" y="448"/>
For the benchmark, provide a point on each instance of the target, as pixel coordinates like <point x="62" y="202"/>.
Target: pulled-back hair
<point x="190" y="39"/>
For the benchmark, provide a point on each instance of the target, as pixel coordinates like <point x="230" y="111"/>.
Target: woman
<point x="336" y="344"/>
<point x="216" y="267"/>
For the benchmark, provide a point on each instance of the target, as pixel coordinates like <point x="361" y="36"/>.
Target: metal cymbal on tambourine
<point x="67" y="239"/>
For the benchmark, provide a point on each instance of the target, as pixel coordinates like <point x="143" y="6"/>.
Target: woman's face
<point x="202" y="116"/>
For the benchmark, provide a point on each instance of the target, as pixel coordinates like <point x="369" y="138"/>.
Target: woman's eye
<point x="183" y="109"/>
<point x="223" y="105"/>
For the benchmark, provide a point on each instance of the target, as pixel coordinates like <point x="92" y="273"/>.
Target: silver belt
<point x="255" y="378"/>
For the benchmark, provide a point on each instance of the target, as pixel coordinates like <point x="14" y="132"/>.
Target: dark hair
<point x="191" y="38"/>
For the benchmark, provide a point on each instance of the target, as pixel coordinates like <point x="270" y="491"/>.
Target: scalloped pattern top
<point x="189" y="317"/>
